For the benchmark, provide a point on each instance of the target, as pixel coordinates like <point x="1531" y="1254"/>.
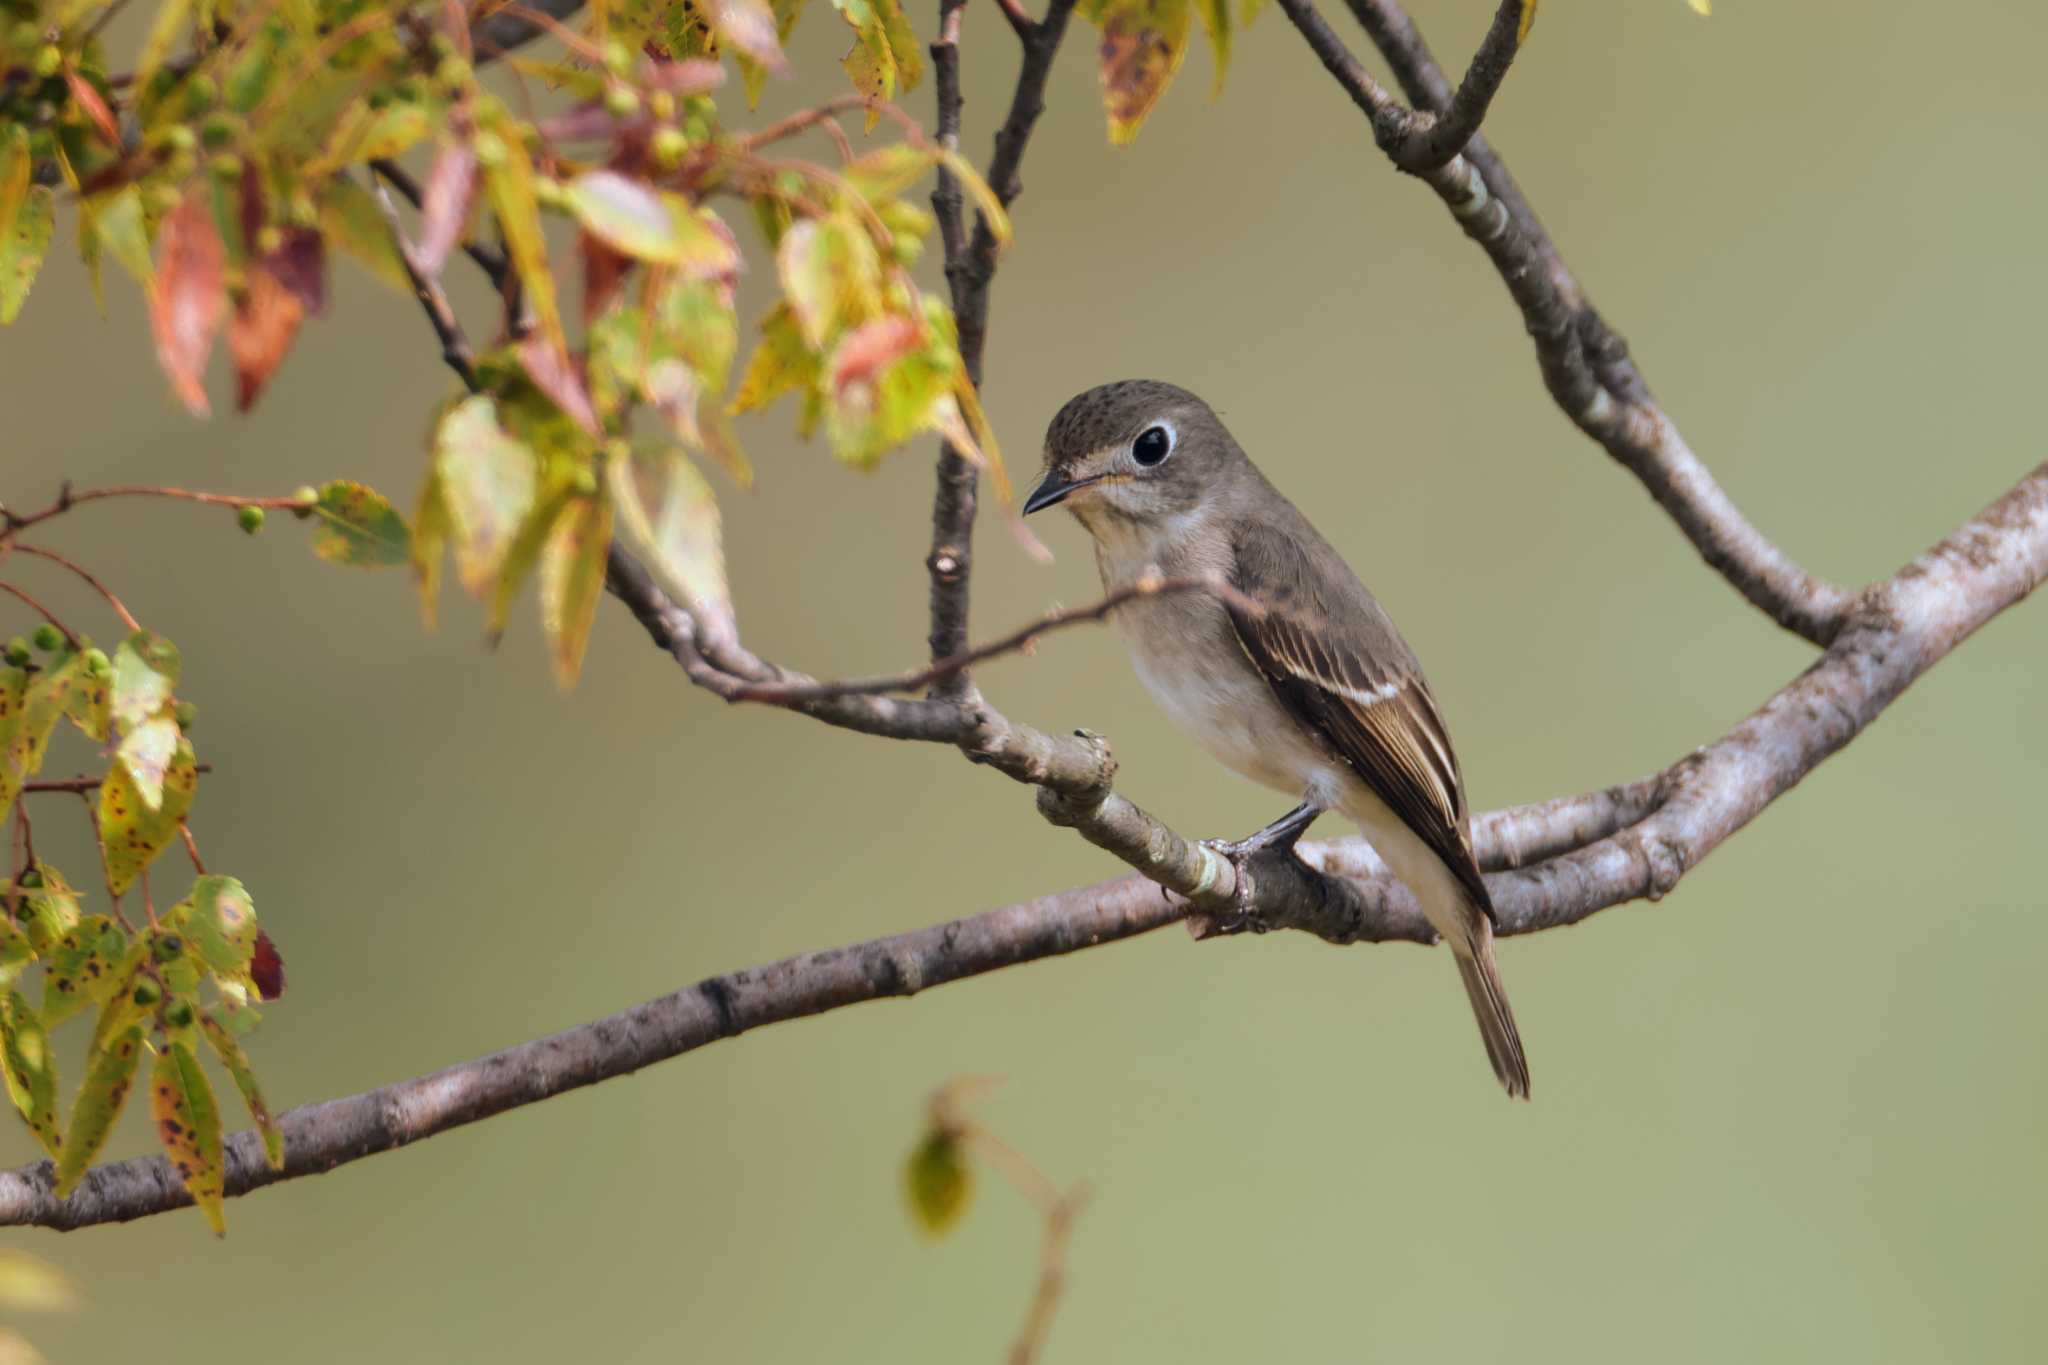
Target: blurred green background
<point x="1795" y="1111"/>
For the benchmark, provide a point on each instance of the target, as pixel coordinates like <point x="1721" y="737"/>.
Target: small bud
<point x="202" y="92"/>
<point x="97" y="665"/>
<point x="49" y="61"/>
<point x="618" y="58"/>
<point x="548" y="193"/>
<point x="668" y="147"/>
<point x="179" y="138"/>
<point x="225" y="165"/>
<point x="217" y="132"/>
<point x="147" y="993"/>
<point x="48" y="637"/>
<point x="307" y="497"/>
<point x="662" y="105"/>
<point x="17" y="651"/>
<point x="187" y="715"/>
<point x="621" y="102"/>
<point x="453" y="73"/>
<point x="490" y="149"/>
<point x="31" y="879"/>
<point x="250" y="519"/>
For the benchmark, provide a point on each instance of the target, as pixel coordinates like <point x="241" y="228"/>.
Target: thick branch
<point x="1585" y="364"/>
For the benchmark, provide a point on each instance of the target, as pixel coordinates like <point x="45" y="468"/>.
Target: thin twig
<point x="80" y="784"/>
<point x="68" y="499"/>
<point x="488" y="261"/>
<point x="40" y="609"/>
<point x="440" y="313"/>
<point x="784" y="694"/>
<point x="127" y="618"/>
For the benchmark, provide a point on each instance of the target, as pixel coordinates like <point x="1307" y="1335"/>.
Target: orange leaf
<point x="261" y="331"/>
<point x="88" y="99"/>
<point x="185" y="311"/>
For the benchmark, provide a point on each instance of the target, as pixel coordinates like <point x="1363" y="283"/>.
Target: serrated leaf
<point x="488" y="484"/>
<point x="190" y="298"/>
<point x="146" y="669"/>
<point x="82" y="967"/>
<point x="351" y="220"/>
<point x="22" y="248"/>
<point x="509" y="185"/>
<point x="218" y="919"/>
<point x="870" y="65"/>
<point x="47" y="911"/>
<point x="27" y="717"/>
<point x="188" y="1126"/>
<point x="670" y="518"/>
<point x="29" y="1069"/>
<point x="89" y="706"/>
<point x="780" y="363"/>
<point x="146" y="752"/>
<point x="572" y="581"/>
<point x="237" y="1063"/>
<point x="132" y="833"/>
<point x="938" y="1182"/>
<point x="831" y="275"/>
<point x="357" y="526"/>
<point x="1143" y="43"/>
<point x="109" y="1076"/>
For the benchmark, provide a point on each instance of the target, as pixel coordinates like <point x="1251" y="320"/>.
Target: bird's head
<point x="1135" y="453"/>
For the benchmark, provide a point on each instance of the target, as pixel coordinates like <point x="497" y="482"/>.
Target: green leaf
<point x="430" y="528"/>
<point x="48" y="910"/>
<point x="780" y="363"/>
<point x="30" y="1069"/>
<point x="903" y="44"/>
<point x="488" y="482"/>
<point x="82" y="968"/>
<point x="27" y="717"/>
<point x="572" y="581"/>
<point x="831" y="274"/>
<point x="351" y="220"/>
<point x="1215" y="16"/>
<point x="237" y="1063"/>
<point x="938" y="1182"/>
<point x="22" y="249"/>
<point x="120" y="226"/>
<point x="146" y="752"/>
<point x="218" y="918"/>
<point x="146" y="669"/>
<point x="986" y="202"/>
<point x="188" y="1126"/>
<point x="89" y="704"/>
<point x="172" y="16"/>
<point x="664" y="228"/>
<point x="1143" y="42"/>
<point x="669" y="517"/>
<point x="888" y="171"/>
<point x="885" y="377"/>
<point x="132" y="832"/>
<point x="109" y="1076"/>
<point x="358" y="526"/>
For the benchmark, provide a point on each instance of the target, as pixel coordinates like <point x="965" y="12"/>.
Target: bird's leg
<point x="1282" y="834"/>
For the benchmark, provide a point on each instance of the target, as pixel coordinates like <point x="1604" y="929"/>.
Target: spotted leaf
<point x="188" y="1126"/>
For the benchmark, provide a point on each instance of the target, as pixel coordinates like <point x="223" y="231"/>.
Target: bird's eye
<point x="1152" y="447"/>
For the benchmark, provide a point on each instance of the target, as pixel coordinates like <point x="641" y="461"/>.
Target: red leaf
<point x="265" y="321"/>
<point x="691" y="76"/>
<point x="604" y="270"/>
<point x="88" y="99"/>
<point x="554" y="374"/>
<point x="185" y="312"/>
<point x="444" y="205"/>
<point x="872" y="348"/>
<point x="266" y="968"/>
<point x="300" y="264"/>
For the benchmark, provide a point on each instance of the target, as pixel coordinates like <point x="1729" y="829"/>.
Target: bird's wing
<point x="1343" y="672"/>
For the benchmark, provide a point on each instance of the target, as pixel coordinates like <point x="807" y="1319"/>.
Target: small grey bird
<point x="1318" y="696"/>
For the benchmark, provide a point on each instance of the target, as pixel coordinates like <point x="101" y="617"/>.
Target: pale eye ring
<point x="1152" y="446"/>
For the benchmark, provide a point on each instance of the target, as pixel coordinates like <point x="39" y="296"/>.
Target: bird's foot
<point x="1282" y="834"/>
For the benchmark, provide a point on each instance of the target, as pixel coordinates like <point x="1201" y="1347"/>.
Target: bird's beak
<point x="1053" y="489"/>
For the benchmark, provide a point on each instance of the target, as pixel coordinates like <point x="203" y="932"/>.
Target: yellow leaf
<point x="1143" y="43"/>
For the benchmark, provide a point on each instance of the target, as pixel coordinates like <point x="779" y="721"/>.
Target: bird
<point x="1297" y="679"/>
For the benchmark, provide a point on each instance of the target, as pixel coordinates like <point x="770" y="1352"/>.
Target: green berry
<point x="17" y="651"/>
<point x="662" y="105"/>
<point x="250" y="519"/>
<point x="179" y="138"/>
<point x="49" y="61"/>
<point x="48" y="637"/>
<point x="307" y="497"/>
<point x="187" y="715"/>
<point x="490" y="149"/>
<point x="225" y="165"/>
<point x="179" y="1014"/>
<point x="668" y="148"/>
<point x="453" y="73"/>
<point x="621" y="102"/>
<point x="147" y="993"/>
<point x="618" y="58"/>
<point x="202" y="92"/>
<point x="97" y="665"/>
<point x="217" y="132"/>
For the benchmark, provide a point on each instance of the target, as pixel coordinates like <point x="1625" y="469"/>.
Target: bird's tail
<point x="1490" y="1007"/>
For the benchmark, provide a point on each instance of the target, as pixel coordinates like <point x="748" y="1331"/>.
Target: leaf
<point x="749" y="25"/>
<point x="871" y="65"/>
<point x="188" y="1126"/>
<point x="265" y="321"/>
<point x="556" y="375"/>
<point x="1143" y="42"/>
<point x="186" y="307"/>
<point x="445" y="205"/>
<point x="146" y="669"/>
<point x="28" y="1285"/>
<point x="358" y="526"/>
<point x="488" y="480"/>
<point x="29" y="1069"/>
<point x="94" y="107"/>
<point x="81" y="969"/>
<point x="1703" y="8"/>
<point x="17" y="168"/>
<point x="351" y="220"/>
<point x="903" y="44"/>
<point x="237" y="1063"/>
<point x="625" y="214"/>
<point x="1215" y="16"/>
<point x="572" y="581"/>
<point x="938" y="1182"/>
<point x="266" y="968"/>
<point x="132" y="833"/>
<point x="670" y="518"/>
<point x="300" y="264"/>
<point x="47" y="912"/>
<point x="120" y="226"/>
<point x="27" y="716"/>
<point x="218" y="918"/>
<point x="430" y="528"/>
<point x="171" y="19"/>
<point x="888" y="171"/>
<point x="109" y="1076"/>
<point x="509" y="184"/>
<point x="831" y="275"/>
<point x="780" y="363"/>
<point x="146" y="752"/>
<point x="986" y="202"/>
<point x="22" y="248"/>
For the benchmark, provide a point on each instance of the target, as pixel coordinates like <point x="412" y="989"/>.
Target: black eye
<point x="1153" y="445"/>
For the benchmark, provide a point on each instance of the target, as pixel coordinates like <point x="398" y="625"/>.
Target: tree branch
<point x="1645" y="837"/>
<point x="1585" y="364"/>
